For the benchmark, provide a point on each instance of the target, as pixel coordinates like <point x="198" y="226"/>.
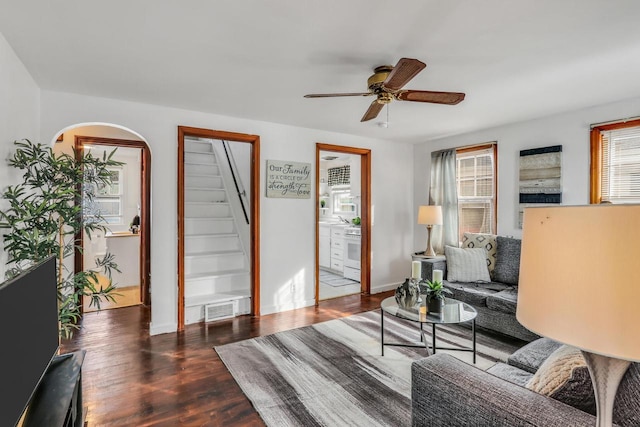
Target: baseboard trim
<point x="286" y="307"/>
<point x="384" y="288"/>
<point x="167" y="328"/>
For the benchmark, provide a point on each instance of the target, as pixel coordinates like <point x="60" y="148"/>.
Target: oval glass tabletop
<point x="453" y="311"/>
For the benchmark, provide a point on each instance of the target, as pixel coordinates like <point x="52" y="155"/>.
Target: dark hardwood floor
<point x="133" y="379"/>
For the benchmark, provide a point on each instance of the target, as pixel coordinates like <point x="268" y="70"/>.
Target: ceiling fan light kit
<point x="386" y="84"/>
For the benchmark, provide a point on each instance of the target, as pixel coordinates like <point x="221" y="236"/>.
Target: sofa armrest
<point x="447" y="391"/>
<point x="430" y="264"/>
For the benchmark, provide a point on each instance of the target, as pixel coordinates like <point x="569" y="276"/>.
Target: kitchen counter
<point x="121" y="234"/>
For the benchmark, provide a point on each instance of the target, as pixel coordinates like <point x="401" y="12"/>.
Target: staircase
<point x="217" y="281"/>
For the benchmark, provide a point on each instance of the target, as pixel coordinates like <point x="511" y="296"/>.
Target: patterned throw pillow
<point x="564" y="376"/>
<point x="480" y="240"/>
<point x="466" y="264"/>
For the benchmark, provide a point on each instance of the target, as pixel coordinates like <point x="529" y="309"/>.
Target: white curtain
<point x="443" y="192"/>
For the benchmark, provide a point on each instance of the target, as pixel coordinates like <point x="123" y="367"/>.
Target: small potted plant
<point x="435" y="295"/>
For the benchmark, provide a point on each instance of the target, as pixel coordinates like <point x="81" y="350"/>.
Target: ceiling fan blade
<point x="405" y="70"/>
<point x="373" y="111"/>
<point x="329" y="95"/>
<point x="450" y="98"/>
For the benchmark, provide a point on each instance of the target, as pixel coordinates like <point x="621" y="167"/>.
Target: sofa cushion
<point x="626" y="408"/>
<point x="481" y="240"/>
<point x="510" y="373"/>
<point x="564" y="376"/>
<point x="507" y="267"/>
<point x="504" y="301"/>
<point x="531" y="356"/>
<point x="466" y="264"/>
<point x="474" y="293"/>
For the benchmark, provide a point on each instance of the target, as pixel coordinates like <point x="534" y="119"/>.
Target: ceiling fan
<point x="386" y="84"/>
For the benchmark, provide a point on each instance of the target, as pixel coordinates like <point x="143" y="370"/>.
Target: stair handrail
<point x="237" y="181"/>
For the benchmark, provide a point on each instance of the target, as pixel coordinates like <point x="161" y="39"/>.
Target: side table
<point x="439" y="262"/>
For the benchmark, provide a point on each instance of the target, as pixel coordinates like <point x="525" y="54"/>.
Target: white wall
<point x="287" y="225"/>
<point x="19" y="117"/>
<point x="571" y="130"/>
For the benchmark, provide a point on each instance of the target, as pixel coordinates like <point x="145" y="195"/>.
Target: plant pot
<point x="434" y="305"/>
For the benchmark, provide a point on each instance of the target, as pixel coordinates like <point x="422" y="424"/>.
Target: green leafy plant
<point x="46" y="215"/>
<point x="435" y="289"/>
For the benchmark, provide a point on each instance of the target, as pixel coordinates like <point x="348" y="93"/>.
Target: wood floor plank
<point x="132" y="379"/>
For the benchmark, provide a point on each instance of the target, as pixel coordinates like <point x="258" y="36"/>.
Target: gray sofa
<point x="448" y="392"/>
<point x="494" y="301"/>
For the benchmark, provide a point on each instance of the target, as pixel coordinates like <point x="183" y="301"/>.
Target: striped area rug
<point x="332" y="374"/>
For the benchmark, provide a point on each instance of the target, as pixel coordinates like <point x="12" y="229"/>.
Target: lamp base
<point x="429" y="252"/>
<point x="606" y="373"/>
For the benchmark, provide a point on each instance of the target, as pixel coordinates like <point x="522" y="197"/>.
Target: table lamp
<point x="430" y="215"/>
<point x="580" y="285"/>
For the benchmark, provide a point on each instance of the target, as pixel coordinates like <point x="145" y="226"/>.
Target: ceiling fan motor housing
<point x="380" y="75"/>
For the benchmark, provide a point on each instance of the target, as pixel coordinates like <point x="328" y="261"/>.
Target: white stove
<point x="352" y="232"/>
<point x="352" y="253"/>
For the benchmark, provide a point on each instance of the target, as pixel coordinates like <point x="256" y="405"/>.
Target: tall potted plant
<point x="45" y="217"/>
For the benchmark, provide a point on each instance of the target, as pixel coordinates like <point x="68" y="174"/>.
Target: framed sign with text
<point x="290" y="180"/>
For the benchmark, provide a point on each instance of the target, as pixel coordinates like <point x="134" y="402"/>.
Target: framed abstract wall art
<point x="540" y="178"/>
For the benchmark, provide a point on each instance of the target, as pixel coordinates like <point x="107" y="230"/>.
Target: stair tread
<point x="208" y="218"/>
<point x="193" y="300"/>
<point x="198" y="164"/>
<point x="207" y="203"/>
<point x="193" y="150"/>
<point x="205" y="235"/>
<point x="203" y="188"/>
<point x="216" y="274"/>
<point x="213" y="253"/>
<point x="203" y="175"/>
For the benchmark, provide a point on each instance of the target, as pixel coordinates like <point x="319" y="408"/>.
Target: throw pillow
<point x="466" y="264"/>
<point x="564" y="376"/>
<point x="507" y="267"/>
<point x="626" y="409"/>
<point x="481" y="240"/>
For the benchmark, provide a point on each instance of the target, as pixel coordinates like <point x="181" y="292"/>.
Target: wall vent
<point x="220" y="310"/>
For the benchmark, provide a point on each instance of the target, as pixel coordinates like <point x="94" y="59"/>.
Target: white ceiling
<point x="515" y="59"/>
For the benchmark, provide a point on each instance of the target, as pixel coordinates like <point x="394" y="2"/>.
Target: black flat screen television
<point x="29" y="319"/>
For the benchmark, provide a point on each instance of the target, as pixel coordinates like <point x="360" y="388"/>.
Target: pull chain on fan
<point x="386" y="84"/>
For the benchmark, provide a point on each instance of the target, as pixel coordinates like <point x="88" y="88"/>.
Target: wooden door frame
<point x="365" y="214"/>
<point x="254" y="140"/>
<point x="145" y="207"/>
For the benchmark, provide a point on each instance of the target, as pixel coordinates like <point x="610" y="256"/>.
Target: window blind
<point x="475" y="177"/>
<point x="620" y="178"/>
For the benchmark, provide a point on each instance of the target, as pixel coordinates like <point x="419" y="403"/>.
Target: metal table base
<point x="423" y="339"/>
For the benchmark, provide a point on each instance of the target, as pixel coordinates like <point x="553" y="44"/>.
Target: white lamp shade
<point x="579" y="277"/>
<point x="430" y="215"/>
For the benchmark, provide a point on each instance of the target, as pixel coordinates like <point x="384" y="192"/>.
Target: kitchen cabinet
<point x="324" y="246"/>
<point x="337" y="248"/>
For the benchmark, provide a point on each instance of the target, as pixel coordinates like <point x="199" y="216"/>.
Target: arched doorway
<point x="102" y="136"/>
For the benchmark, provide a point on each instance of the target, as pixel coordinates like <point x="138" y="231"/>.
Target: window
<point x="476" y="182"/>
<point x="343" y="202"/>
<point x="615" y="163"/>
<point x="106" y="200"/>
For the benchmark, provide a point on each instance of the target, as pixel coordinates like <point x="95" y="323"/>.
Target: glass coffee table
<point x="453" y="311"/>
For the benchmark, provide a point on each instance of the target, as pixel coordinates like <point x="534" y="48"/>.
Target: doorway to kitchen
<point x="125" y="206"/>
<point x="343" y="221"/>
